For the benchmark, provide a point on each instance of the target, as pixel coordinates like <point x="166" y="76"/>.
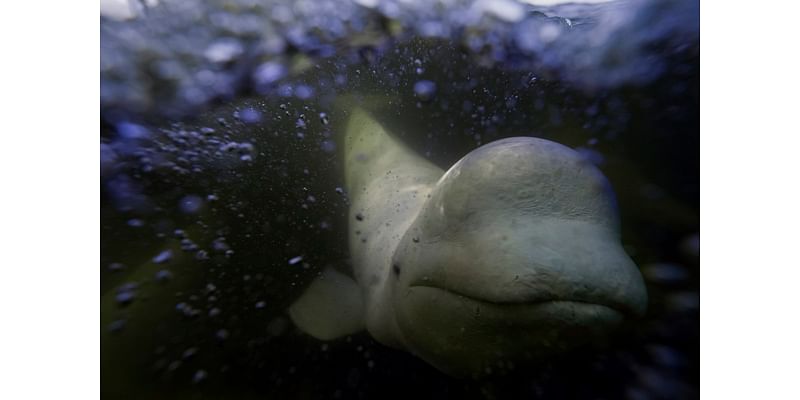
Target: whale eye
<point x="396" y="269"/>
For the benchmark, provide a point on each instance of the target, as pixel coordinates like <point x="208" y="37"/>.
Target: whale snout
<point x="556" y="261"/>
<point x="540" y="286"/>
<point x="500" y="291"/>
<point x="524" y="220"/>
<point x="515" y="255"/>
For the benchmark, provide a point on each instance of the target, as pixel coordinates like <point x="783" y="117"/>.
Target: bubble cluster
<point x="178" y="57"/>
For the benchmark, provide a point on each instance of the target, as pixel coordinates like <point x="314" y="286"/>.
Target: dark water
<point x="207" y="205"/>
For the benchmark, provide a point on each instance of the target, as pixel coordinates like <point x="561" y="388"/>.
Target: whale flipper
<point x="331" y="307"/>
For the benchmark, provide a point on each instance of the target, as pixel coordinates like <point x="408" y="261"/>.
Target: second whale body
<point x="511" y="255"/>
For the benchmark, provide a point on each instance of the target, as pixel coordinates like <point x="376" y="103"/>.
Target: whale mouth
<point x="537" y="306"/>
<point x="464" y="334"/>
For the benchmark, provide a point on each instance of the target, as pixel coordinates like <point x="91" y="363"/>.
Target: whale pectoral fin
<point x="331" y="307"/>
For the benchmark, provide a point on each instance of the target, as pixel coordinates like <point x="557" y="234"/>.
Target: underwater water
<point x="222" y="187"/>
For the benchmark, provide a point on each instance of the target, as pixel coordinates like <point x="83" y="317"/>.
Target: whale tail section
<point x="330" y="308"/>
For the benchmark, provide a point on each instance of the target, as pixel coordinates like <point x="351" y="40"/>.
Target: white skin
<point x="512" y="254"/>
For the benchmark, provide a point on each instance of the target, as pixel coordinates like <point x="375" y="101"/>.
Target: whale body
<point x="512" y="254"/>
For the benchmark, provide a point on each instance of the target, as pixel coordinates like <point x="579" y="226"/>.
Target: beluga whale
<point x="511" y="255"/>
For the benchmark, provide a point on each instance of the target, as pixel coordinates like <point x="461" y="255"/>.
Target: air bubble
<point x="268" y="73"/>
<point x="200" y="376"/>
<point x="188" y="246"/>
<point x="163" y="275"/>
<point x="125" y="294"/>
<point x="116" y="267"/>
<point x="163" y="257"/>
<point x="250" y="116"/>
<point x="425" y="90"/>
<point x="295" y="260"/>
<point x="304" y="92"/>
<point x="129" y="130"/>
<point x="219" y="245"/>
<point x="116" y="326"/>
<point x="189" y="353"/>
<point x="223" y="51"/>
<point x="328" y="146"/>
<point x="190" y="204"/>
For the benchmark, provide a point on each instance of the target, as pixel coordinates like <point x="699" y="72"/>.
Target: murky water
<point x="222" y="180"/>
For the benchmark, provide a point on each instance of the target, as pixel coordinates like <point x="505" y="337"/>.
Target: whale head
<point x="514" y="255"/>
